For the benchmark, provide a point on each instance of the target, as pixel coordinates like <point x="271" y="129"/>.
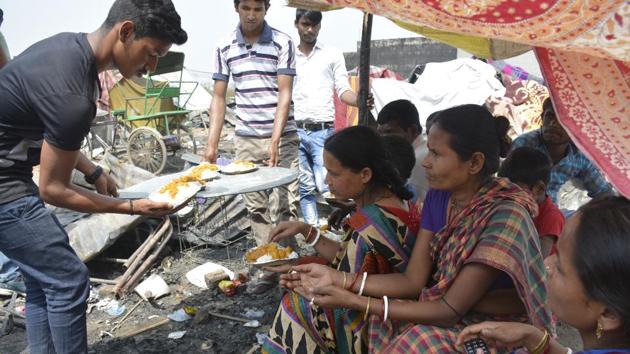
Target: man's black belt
<point x="314" y="126"/>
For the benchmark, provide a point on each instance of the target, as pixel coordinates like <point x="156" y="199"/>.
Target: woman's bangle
<point x="543" y="344"/>
<point x="367" y="310"/>
<point x="307" y="238"/>
<point x="362" y="284"/>
<point x="569" y="351"/>
<point x="345" y="278"/>
<point x="385" y="308"/>
<point x="459" y="316"/>
<point x="131" y="207"/>
<point x="312" y="244"/>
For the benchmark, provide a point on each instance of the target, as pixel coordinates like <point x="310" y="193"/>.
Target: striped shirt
<point x="255" y="69"/>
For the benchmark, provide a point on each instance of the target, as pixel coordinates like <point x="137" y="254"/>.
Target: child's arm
<point x="546" y="244"/>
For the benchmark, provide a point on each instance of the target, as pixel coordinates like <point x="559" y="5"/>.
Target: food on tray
<point x="268" y="253"/>
<point x="177" y="191"/>
<point x="239" y="166"/>
<point x="204" y="171"/>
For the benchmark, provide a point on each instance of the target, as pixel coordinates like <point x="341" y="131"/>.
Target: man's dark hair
<point x="602" y="253"/>
<point x="526" y="165"/>
<point x="267" y="3"/>
<point x="402" y="111"/>
<point x="1" y="17"/>
<point x="152" y="18"/>
<point x="313" y="16"/>
<point x="401" y="154"/>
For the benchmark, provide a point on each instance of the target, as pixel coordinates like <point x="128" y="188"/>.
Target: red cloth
<point x="549" y="221"/>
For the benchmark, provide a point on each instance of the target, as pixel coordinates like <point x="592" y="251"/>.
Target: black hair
<point x="431" y="120"/>
<point x="473" y="129"/>
<point x="267" y="3"/>
<point x="401" y="154"/>
<point x="360" y="147"/>
<point x="602" y="253"/>
<point x="313" y="16"/>
<point x="152" y="18"/>
<point x="547" y="104"/>
<point x="1" y="17"/>
<point x="526" y="165"/>
<point x="402" y="111"/>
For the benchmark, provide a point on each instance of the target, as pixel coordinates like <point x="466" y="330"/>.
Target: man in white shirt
<point x="401" y="117"/>
<point x="321" y="72"/>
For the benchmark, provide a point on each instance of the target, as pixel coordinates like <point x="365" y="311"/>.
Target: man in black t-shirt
<point x="47" y="102"/>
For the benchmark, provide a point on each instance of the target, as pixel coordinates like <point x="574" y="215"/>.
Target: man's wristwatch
<point x="91" y="179"/>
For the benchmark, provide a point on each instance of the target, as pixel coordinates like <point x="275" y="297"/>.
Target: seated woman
<point x="379" y="238"/>
<point x="484" y="241"/>
<point x="587" y="282"/>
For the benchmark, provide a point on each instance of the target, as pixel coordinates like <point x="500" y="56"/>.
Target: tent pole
<point x="364" y="69"/>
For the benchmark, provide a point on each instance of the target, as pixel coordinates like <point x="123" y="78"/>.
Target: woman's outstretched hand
<point x="288" y="229"/>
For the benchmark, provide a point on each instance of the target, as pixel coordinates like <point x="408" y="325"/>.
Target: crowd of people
<point x="451" y="232"/>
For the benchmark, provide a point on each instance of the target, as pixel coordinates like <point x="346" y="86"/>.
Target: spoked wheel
<point x="147" y="150"/>
<point x="183" y="141"/>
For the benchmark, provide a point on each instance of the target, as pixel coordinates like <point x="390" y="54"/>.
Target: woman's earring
<point x="599" y="331"/>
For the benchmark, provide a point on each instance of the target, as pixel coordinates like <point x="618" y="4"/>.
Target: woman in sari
<point x="484" y="243"/>
<point x="379" y="237"/>
<point x="588" y="286"/>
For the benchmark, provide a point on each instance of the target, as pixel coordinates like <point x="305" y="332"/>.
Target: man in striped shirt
<point x="261" y="61"/>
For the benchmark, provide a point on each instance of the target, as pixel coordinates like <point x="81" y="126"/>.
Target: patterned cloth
<point x="378" y="240"/>
<point x="591" y="97"/>
<point x="574" y="166"/>
<point x="496" y="229"/>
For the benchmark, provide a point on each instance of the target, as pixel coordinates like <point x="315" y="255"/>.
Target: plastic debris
<point x="227" y="287"/>
<point x="190" y="310"/>
<point x="176" y="335"/>
<point x="253" y="314"/>
<point x="260" y="338"/>
<point x="252" y="324"/>
<point x="152" y="288"/>
<point x="115" y="309"/>
<point x="179" y="316"/>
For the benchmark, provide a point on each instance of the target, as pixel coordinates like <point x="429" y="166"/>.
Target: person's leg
<point x="284" y="199"/>
<point x="257" y="203"/>
<point x="57" y="280"/>
<point x="317" y="153"/>
<point x="8" y="270"/>
<point x="307" y="187"/>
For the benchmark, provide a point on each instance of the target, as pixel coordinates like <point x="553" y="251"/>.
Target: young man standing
<point x="47" y="102"/>
<point x="261" y="61"/>
<point x="321" y="73"/>
<point x="568" y="162"/>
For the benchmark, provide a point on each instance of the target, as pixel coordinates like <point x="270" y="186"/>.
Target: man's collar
<point x="265" y="37"/>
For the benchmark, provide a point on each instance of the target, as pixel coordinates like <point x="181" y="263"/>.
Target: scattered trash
<point x="190" y="310"/>
<point x="167" y="262"/>
<point x="115" y="309"/>
<point x="104" y="304"/>
<point x="207" y="345"/>
<point x="213" y="277"/>
<point x="196" y="276"/>
<point x="102" y="334"/>
<point x="152" y="317"/>
<point x="260" y="338"/>
<point x="253" y="313"/>
<point x="152" y="288"/>
<point x="179" y="316"/>
<point x="176" y="335"/>
<point x="227" y="287"/>
<point x="252" y="324"/>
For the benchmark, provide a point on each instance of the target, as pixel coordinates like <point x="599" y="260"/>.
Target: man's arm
<point x="217" y="117"/>
<point x="56" y="188"/>
<point x="593" y="180"/>
<point x="285" y="88"/>
<point x="104" y="184"/>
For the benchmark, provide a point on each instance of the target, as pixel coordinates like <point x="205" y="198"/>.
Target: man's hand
<point x="106" y="185"/>
<point x="151" y="208"/>
<point x="273" y="154"/>
<point x="370" y="101"/>
<point x="210" y="155"/>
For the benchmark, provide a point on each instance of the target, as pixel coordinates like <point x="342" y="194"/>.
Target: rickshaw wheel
<point x="147" y="150"/>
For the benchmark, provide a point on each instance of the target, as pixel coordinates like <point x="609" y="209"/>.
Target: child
<point x="530" y="169"/>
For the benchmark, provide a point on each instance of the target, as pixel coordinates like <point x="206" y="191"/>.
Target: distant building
<point x="403" y="54"/>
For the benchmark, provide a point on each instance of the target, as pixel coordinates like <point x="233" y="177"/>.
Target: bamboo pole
<point x="364" y="69"/>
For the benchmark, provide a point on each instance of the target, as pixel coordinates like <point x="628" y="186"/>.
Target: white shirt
<point x="319" y="75"/>
<point x="418" y="176"/>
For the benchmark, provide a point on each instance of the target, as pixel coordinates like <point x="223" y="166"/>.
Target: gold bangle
<point x="367" y="310"/>
<point x="544" y="341"/>
<point x="345" y="278"/>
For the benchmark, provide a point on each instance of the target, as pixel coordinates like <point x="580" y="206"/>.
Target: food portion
<point x="204" y="171"/>
<point x="268" y="253"/>
<point x="177" y="191"/>
<point x="239" y="166"/>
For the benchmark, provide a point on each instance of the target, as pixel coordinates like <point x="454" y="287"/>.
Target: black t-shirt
<point x="47" y="92"/>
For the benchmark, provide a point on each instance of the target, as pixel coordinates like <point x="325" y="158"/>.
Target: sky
<point x="206" y="21"/>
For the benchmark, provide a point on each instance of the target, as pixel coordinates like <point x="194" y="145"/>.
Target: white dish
<point x="184" y="193"/>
